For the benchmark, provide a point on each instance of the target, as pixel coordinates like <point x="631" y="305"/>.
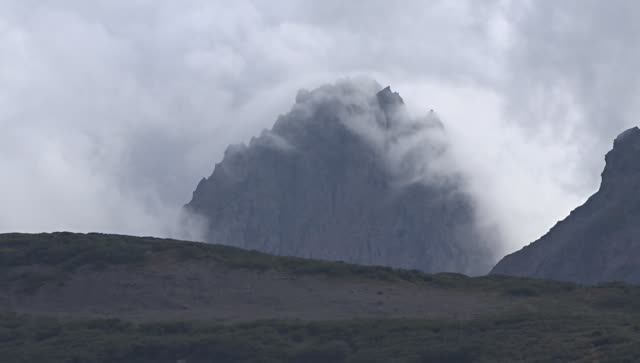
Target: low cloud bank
<point x="110" y="112"/>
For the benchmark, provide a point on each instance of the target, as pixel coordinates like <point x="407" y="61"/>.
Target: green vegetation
<point x="67" y="252"/>
<point x="56" y="255"/>
<point x="64" y="252"/>
<point x="549" y="321"/>
<point x="523" y="337"/>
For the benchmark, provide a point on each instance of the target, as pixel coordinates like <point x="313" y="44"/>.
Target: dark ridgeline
<point x="600" y="240"/>
<point x="326" y="182"/>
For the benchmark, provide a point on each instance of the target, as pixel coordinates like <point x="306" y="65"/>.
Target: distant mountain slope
<point x="346" y="175"/>
<point x="600" y="240"/>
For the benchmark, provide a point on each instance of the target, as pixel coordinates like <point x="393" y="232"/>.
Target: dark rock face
<point x="336" y="178"/>
<point x="600" y="240"/>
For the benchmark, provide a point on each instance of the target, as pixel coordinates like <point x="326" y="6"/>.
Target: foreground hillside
<point x="104" y="298"/>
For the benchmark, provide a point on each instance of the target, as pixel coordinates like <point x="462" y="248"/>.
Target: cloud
<point x="111" y="111"/>
<point x="570" y="87"/>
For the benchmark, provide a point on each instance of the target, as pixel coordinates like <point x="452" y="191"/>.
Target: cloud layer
<point x="111" y="111"/>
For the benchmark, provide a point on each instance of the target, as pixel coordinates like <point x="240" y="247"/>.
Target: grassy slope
<point x="70" y="251"/>
<point x="553" y="321"/>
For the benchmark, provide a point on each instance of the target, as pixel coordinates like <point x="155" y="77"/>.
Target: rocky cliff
<point x="346" y="175"/>
<point x="600" y="240"/>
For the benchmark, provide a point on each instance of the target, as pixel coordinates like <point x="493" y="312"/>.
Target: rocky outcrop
<point x="346" y="175"/>
<point x="600" y="240"/>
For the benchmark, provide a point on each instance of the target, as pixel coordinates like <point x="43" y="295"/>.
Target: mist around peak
<point x="348" y="175"/>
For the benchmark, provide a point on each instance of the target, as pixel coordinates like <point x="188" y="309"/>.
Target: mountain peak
<point x="338" y="179"/>
<point x="386" y="97"/>
<point x="392" y="105"/>
<point x="623" y="158"/>
<point x="631" y="135"/>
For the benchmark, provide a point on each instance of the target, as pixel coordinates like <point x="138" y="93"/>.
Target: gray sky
<point x="111" y="111"/>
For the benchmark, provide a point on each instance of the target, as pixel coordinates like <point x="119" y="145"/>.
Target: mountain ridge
<point x="598" y="241"/>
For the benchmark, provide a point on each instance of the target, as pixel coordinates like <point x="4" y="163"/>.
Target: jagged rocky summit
<point x="600" y="240"/>
<point x="346" y="175"/>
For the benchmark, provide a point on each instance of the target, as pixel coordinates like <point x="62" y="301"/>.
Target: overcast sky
<point x="111" y="111"/>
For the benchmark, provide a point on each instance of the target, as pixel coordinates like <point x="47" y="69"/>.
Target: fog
<point x="111" y="111"/>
